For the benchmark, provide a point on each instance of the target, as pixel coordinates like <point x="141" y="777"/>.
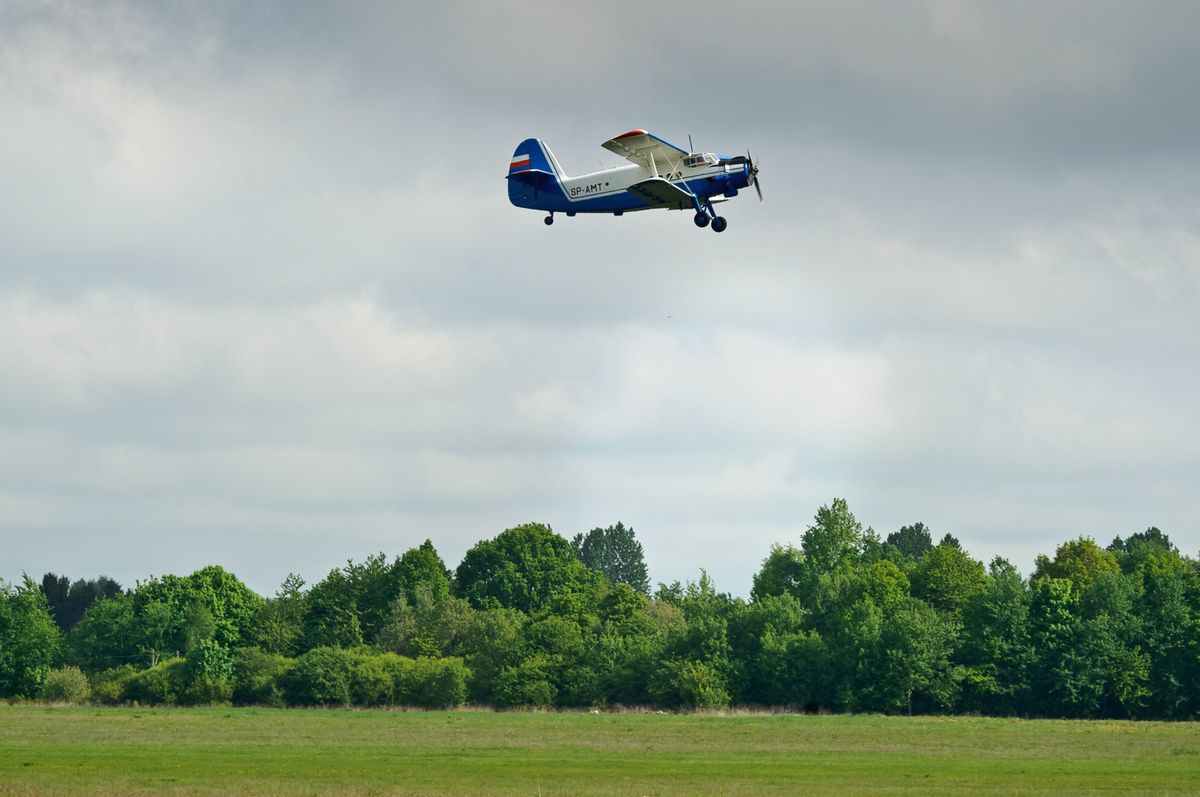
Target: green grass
<point x="100" y="751"/>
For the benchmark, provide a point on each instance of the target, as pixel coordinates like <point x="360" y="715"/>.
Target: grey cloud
<point x="261" y="289"/>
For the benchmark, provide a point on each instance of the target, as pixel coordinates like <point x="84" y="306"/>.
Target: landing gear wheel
<point x="702" y="220"/>
<point x="549" y="220"/>
<point x="719" y="224"/>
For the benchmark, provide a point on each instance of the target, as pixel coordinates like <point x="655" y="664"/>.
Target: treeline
<point x="843" y="621"/>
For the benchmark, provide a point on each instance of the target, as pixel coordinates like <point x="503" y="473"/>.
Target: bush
<point x="258" y="677"/>
<point x="527" y="684"/>
<point x="210" y="659"/>
<point x="371" y="684"/>
<point x="108" y="686"/>
<point x="66" y="685"/>
<point x="162" y="684"/>
<point x="435" y="683"/>
<point x="205" y="690"/>
<point x="320" y="677"/>
<point x="688" y="684"/>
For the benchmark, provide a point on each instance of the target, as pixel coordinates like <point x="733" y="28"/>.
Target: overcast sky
<point x="264" y="302"/>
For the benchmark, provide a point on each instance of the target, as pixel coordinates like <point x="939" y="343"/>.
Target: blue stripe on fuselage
<point x="704" y="186"/>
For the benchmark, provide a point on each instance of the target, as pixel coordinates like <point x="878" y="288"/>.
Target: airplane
<point x="659" y="175"/>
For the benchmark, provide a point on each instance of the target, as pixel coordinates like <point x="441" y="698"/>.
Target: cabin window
<point x="700" y="160"/>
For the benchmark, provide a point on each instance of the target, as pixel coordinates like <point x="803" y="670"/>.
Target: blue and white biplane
<point x="659" y="175"/>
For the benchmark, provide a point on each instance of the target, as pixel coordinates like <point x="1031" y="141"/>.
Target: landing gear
<point x="719" y="224"/>
<point x="549" y="220"/>
<point x="702" y="219"/>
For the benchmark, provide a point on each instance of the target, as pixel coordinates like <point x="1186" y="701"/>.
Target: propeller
<point x="754" y="175"/>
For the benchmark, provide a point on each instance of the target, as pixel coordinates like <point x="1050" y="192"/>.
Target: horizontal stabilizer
<point x="532" y="176"/>
<point x="659" y="193"/>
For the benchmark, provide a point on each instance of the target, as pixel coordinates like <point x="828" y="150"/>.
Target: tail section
<point x="534" y="177"/>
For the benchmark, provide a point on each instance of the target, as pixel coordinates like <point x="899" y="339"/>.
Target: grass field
<point x="68" y="751"/>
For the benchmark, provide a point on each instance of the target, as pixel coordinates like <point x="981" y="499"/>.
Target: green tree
<point x="421" y="568"/>
<point x="946" y="578"/>
<point x="106" y="636"/>
<point x="995" y="649"/>
<point x="1080" y="561"/>
<point x="615" y="552"/>
<point x="68" y="601"/>
<point x="529" y="568"/>
<point x="280" y="624"/>
<point x="911" y="660"/>
<point x="834" y="538"/>
<point x="1137" y="548"/>
<point x="30" y="642"/>
<point x="782" y="573"/>
<point x="911" y="542"/>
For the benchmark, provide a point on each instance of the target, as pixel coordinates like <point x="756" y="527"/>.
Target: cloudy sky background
<point x="264" y="303"/>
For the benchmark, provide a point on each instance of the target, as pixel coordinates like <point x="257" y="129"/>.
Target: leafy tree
<point x="760" y="634"/>
<point x="171" y="610"/>
<point x="995" y="648"/>
<point x="1080" y="561"/>
<point x="782" y="573"/>
<point x="946" y="578"/>
<point x="834" y="538"/>
<point x="107" y="635"/>
<point x="616" y="553"/>
<point x="69" y="601"/>
<point x="912" y="542"/>
<point x="30" y="642"/>
<point x="1137" y="548"/>
<point x="430" y="626"/>
<point x="492" y="643"/>
<point x="911" y="662"/>
<point x="1169" y="617"/>
<point x="529" y="568"/>
<point x="421" y="568"/>
<point x="280" y="624"/>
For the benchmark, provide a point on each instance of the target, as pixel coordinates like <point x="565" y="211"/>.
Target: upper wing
<point x="638" y="146"/>
<point x="659" y="193"/>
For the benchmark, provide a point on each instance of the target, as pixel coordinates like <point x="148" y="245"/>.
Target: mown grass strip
<point x="73" y="751"/>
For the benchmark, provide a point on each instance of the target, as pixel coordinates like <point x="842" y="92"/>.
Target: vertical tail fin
<point x="534" y="177"/>
<point x="533" y="154"/>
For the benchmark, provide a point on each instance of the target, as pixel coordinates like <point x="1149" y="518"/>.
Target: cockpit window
<point x="700" y="159"/>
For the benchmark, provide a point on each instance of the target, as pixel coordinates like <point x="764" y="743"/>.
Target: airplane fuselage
<point x="607" y="191"/>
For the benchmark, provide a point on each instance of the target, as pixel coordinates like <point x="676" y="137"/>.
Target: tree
<point x="280" y="621"/>
<point x="1080" y="561"/>
<point x="995" y="647"/>
<point x="834" y="537"/>
<point x="911" y="664"/>
<point x="107" y="635"/>
<point x="912" y="542"/>
<point x="529" y="568"/>
<point x="946" y="578"/>
<point x="616" y="553"/>
<point x="781" y="574"/>
<point x="1137" y="548"/>
<point x="69" y="601"/>
<point x="30" y="642"/>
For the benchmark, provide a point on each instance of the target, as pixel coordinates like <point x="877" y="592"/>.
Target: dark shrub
<point x="320" y="677"/>
<point x="161" y="684"/>
<point x="258" y="677"/>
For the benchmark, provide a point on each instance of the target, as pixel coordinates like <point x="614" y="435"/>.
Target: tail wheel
<point x="719" y="224"/>
<point x="549" y="220"/>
